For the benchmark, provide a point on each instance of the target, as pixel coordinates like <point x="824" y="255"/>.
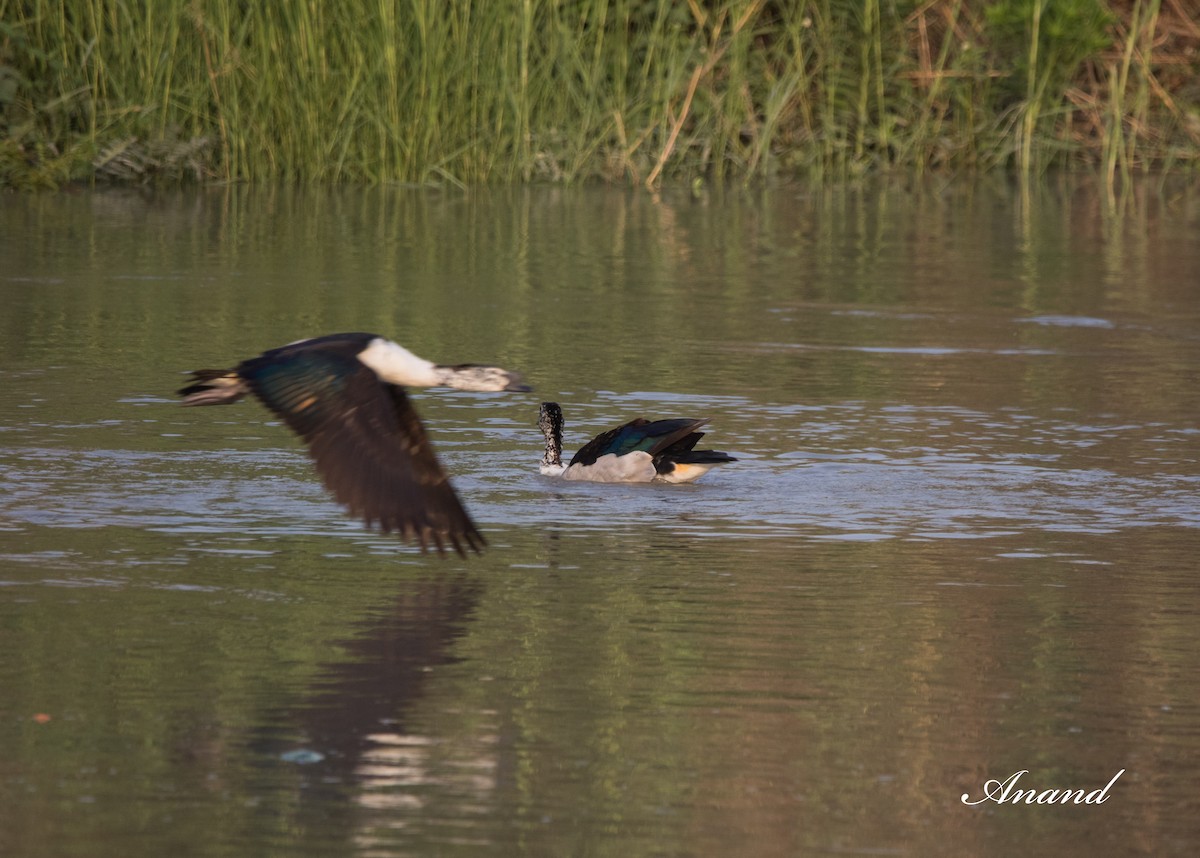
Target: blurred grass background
<point x="633" y="91"/>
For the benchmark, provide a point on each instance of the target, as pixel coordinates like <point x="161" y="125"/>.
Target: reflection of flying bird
<point x="344" y="395"/>
<point x="641" y="451"/>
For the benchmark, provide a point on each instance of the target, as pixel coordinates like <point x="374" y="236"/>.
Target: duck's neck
<point x="550" y="422"/>
<point x="395" y="364"/>
<point x="552" y="458"/>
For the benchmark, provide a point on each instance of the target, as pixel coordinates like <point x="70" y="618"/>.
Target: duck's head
<point x="470" y="376"/>
<point x="550" y="421"/>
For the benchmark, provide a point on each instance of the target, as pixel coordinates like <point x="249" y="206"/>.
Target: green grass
<point x="637" y="91"/>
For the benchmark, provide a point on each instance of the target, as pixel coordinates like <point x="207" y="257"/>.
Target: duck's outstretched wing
<point x="367" y="441"/>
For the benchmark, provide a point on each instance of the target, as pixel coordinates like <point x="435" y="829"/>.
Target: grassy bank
<point x="454" y="91"/>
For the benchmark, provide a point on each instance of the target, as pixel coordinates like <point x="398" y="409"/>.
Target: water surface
<point x="959" y="541"/>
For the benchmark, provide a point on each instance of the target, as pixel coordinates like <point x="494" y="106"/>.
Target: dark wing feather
<point x="368" y="444"/>
<point x="682" y="445"/>
<point x="698" y="457"/>
<point x="683" y="452"/>
<point x="647" y="436"/>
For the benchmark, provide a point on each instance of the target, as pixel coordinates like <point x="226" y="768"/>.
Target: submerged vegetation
<point x="458" y="92"/>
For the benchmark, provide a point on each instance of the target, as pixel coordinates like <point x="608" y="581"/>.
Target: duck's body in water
<point x="640" y="451"/>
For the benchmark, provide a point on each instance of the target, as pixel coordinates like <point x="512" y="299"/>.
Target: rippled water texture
<point x="959" y="541"/>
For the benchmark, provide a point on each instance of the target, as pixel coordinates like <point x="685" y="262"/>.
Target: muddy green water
<point x="961" y="540"/>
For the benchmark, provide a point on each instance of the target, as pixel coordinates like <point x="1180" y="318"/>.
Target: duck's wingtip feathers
<point x="463" y="542"/>
<point x="428" y="539"/>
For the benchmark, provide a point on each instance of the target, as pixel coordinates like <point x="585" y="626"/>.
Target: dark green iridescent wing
<point x="638" y="435"/>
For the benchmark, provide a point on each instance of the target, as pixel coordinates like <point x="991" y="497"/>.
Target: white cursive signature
<point x="1006" y="792"/>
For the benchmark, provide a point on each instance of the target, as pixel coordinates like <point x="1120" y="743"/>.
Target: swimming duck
<point x="343" y="394"/>
<point x="641" y="451"/>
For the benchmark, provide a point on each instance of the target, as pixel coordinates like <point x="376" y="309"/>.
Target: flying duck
<point x="641" y="451"/>
<point x="343" y="394"/>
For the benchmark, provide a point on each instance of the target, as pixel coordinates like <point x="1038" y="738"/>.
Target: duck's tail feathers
<point x="214" y="387"/>
<point x="688" y="465"/>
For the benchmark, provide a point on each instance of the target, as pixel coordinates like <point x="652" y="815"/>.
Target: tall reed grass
<point x="467" y="91"/>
